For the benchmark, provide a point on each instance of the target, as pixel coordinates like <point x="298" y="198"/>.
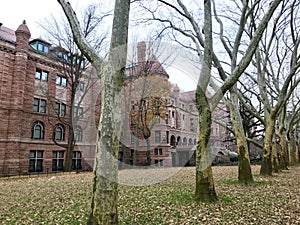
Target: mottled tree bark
<point x="266" y="165"/>
<point x="275" y="161"/>
<point x="205" y="189"/>
<point x="297" y="151"/>
<point x="244" y="167"/>
<point x="104" y="191"/>
<point x="283" y="160"/>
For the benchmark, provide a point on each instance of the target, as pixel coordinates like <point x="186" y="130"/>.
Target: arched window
<point x="190" y="141"/>
<point x="179" y="140"/>
<point x="78" y="134"/>
<point x="184" y="141"/>
<point x="37" y="130"/>
<point x="59" y="133"/>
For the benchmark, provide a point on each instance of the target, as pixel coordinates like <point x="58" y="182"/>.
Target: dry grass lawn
<point x="64" y="199"/>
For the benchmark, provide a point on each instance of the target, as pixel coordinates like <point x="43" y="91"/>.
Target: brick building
<point x="173" y="131"/>
<point x="35" y="95"/>
<point x="35" y="98"/>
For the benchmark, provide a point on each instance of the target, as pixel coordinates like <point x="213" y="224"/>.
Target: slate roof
<point x="7" y="34"/>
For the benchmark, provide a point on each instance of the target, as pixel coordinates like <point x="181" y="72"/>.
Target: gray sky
<point x="13" y="12"/>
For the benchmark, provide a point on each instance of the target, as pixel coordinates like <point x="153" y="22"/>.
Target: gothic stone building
<point x="34" y="94"/>
<point x="172" y="124"/>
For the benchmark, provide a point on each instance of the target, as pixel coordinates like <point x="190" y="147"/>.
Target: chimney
<point x="141" y="51"/>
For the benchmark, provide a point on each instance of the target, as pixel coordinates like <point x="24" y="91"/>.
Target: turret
<point x="22" y="37"/>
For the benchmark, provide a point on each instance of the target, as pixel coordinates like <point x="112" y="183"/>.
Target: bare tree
<point x="78" y="78"/>
<point x="104" y="189"/>
<point x="148" y="89"/>
<point x="188" y="26"/>
<point x="277" y="64"/>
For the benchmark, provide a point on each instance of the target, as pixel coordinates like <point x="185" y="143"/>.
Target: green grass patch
<point x="225" y="198"/>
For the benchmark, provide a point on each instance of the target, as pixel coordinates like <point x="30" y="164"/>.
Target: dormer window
<point x="62" y="55"/>
<point x="40" y="46"/>
<point x="43" y="48"/>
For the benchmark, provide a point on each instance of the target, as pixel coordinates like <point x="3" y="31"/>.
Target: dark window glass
<point x="61" y="81"/>
<point x="63" y="110"/>
<point x="36" y="161"/>
<point x="57" y="108"/>
<point x="78" y="134"/>
<point x="57" y="160"/>
<point x="36" y="103"/>
<point x="157" y="137"/>
<point x="42" y="106"/>
<point x="59" y="133"/>
<point x="76" y="161"/>
<point x="39" y="105"/>
<point x="37" y="131"/>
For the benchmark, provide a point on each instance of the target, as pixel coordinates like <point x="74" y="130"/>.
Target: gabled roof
<point x="149" y="66"/>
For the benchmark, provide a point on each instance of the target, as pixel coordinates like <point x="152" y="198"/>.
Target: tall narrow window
<point x="158" y="151"/>
<point x="35" y="161"/>
<point x="41" y="75"/>
<point x="57" y="160"/>
<point x="132" y="139"/>
<point x="37" y="130"/>
<point x="61" y="81"/>
<point x="59" y="133"/>
<point x="60" y="109"/>
<point x="157" y="137"/>
<point x="78" y="111"/>
<point x="78" y="134"/>
<point x="39" y="105"/>
<point x="76" y="161"/>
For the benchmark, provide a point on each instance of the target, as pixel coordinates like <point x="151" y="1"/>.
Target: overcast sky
<point x="13" y="12"/>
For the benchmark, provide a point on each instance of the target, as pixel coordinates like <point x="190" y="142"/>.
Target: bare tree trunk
<point x="290" y="151"/>
<point x="244" y="167"/>
<point x="297" y="151"/>
<point x="148" y="153"/>
<point x="69" y="150"/>
<point x="283" y="160"/>
<point x="104" y="191"/>
<point x="275" y="162"/>
<point x="266" y="165"/>
<point x="205" y="189"/>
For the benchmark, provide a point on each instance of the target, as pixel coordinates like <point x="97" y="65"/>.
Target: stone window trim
<point x="39" y="105"/>
<point x="36" y="161"/>
<point x="58" y="160"/>
<point x="77" y="160"/>
<point x="59" y="132"/>
<point x="37" y="130"/>
<point x="60" y="109"/>
<point x="61" y="81"/>
<point x="41" y="75"/>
